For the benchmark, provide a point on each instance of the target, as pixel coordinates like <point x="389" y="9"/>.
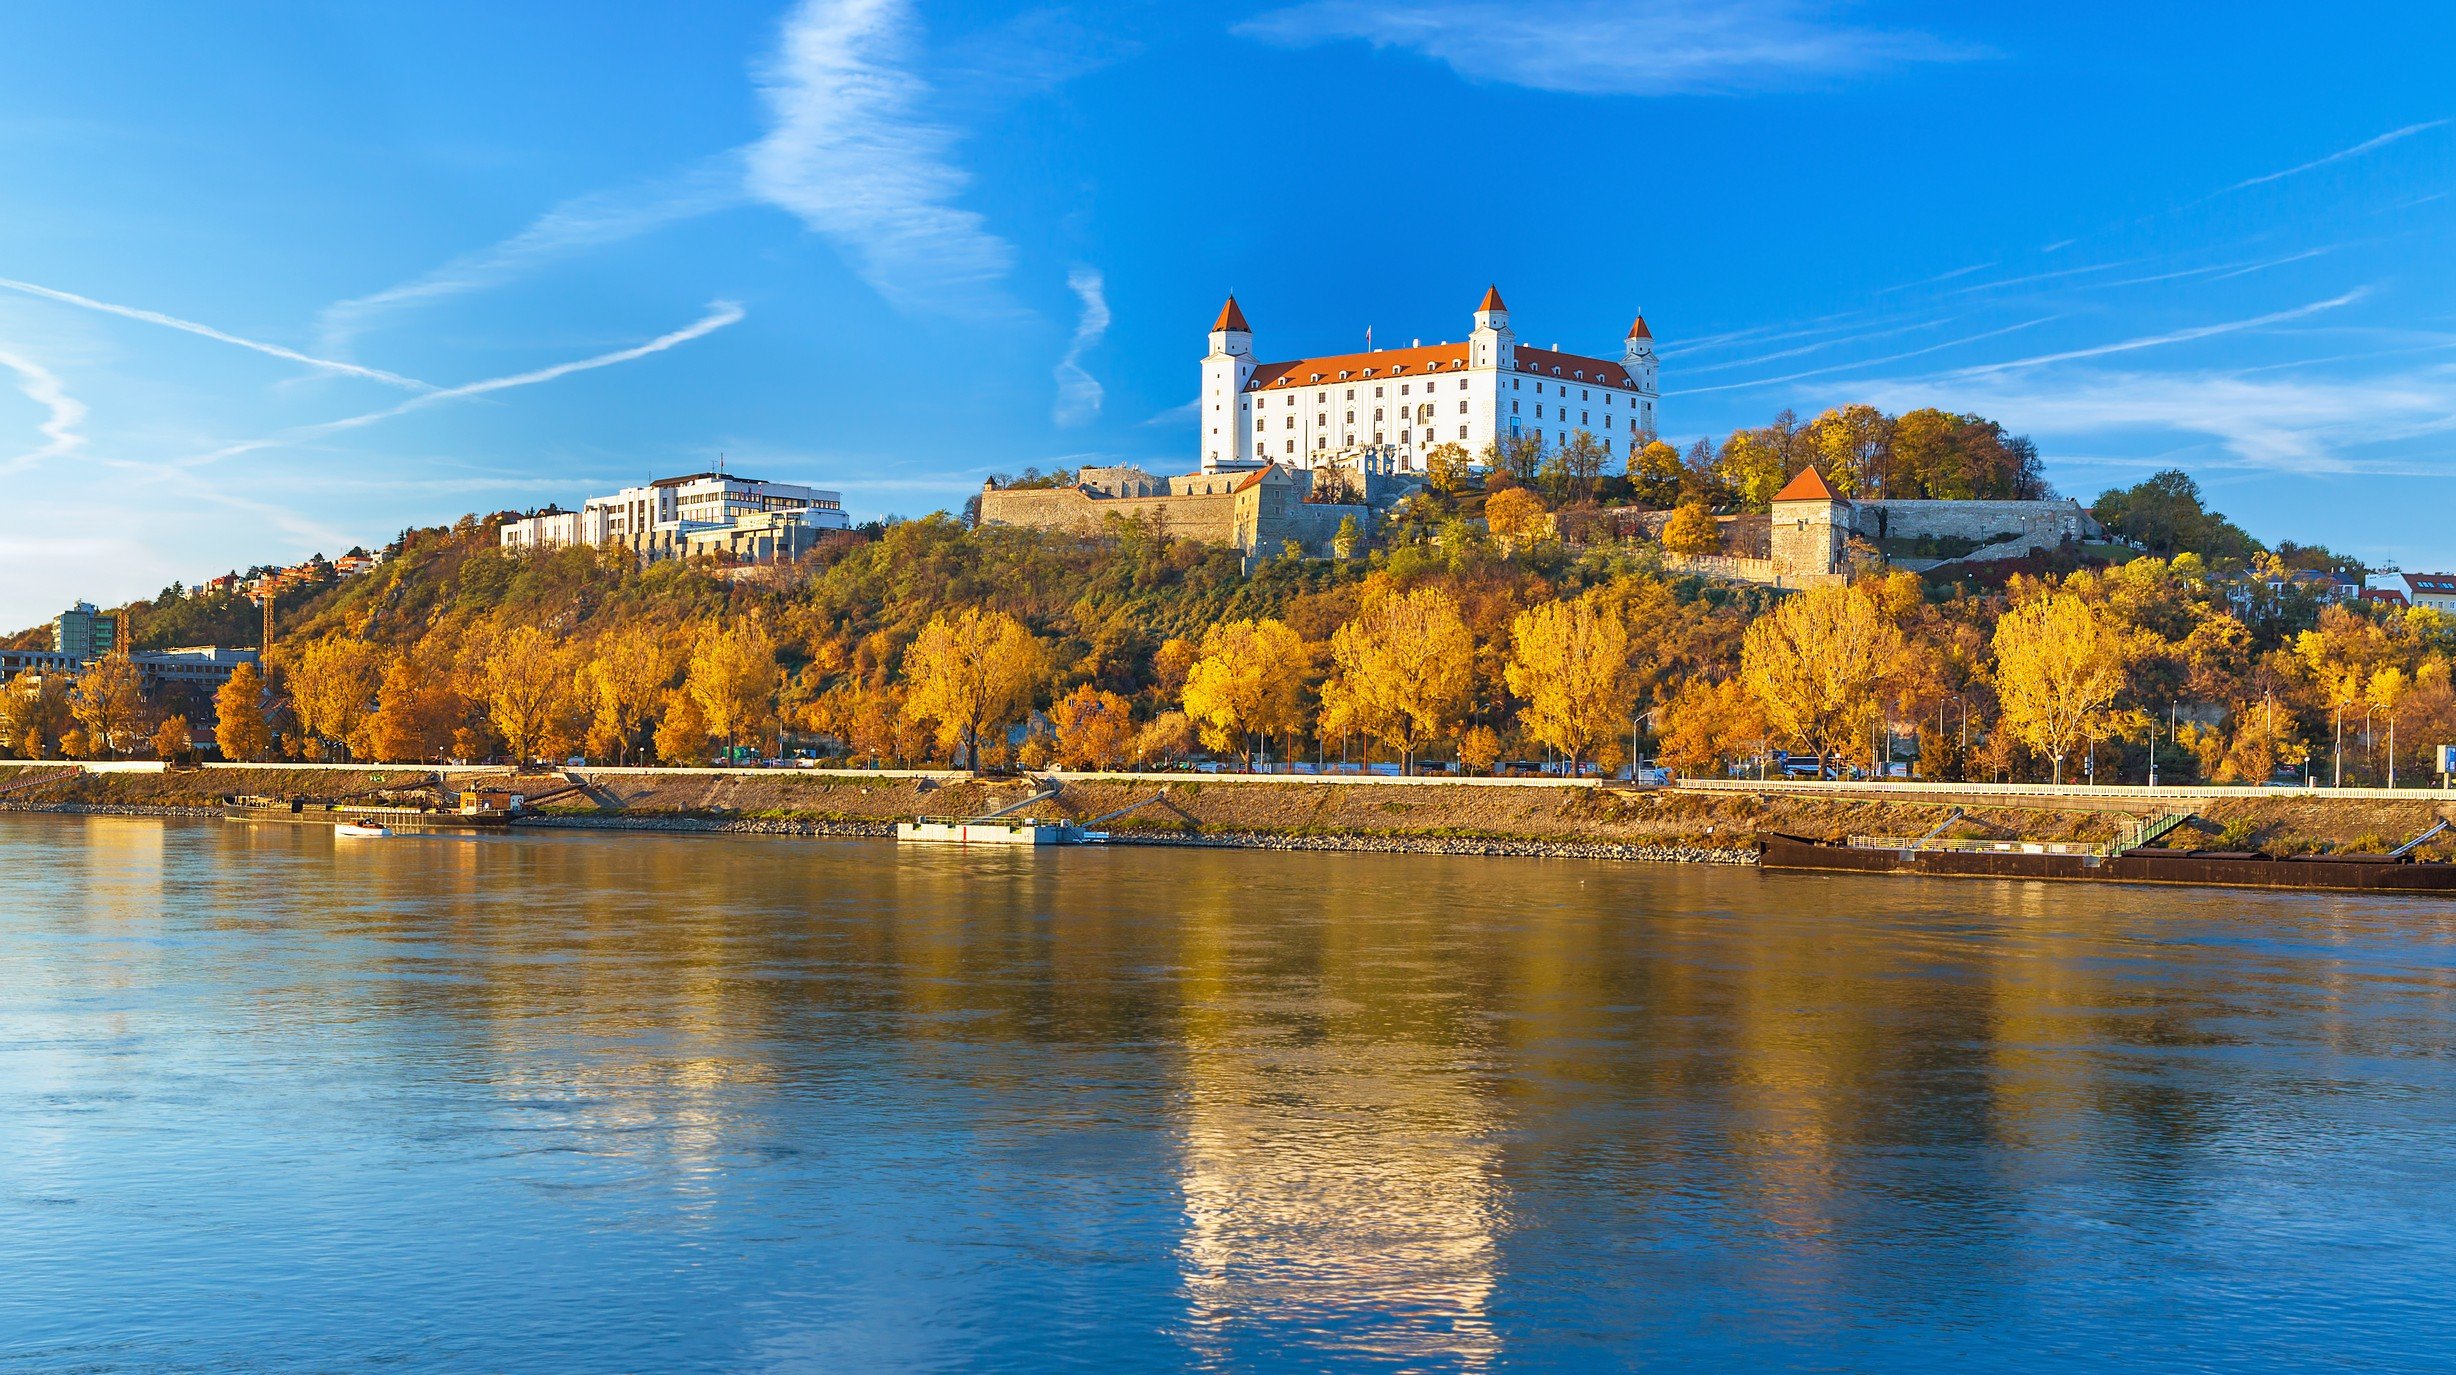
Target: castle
<point x="1384" y="410"/>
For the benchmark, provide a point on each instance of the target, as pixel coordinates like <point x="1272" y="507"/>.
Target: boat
<point x="2130" y="858"/>
<point x="365" y="828"/>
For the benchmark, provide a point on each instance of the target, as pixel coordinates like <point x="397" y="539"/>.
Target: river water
<point x="273" y="1101"/>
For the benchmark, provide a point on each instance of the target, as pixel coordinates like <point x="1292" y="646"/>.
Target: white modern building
<point x="1397" y="405"/>
<point x="2434" y="590"/>
<point x="694" y="513"/>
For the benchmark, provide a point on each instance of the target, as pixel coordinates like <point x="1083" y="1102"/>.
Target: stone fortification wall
<point x="2047" y="523"/>
<point x="1211" y="519"/>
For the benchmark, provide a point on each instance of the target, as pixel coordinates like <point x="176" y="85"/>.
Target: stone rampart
<point x="1210" y="519"/>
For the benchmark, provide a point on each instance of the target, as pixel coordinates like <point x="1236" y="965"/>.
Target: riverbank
<point x="1717" y="825"/>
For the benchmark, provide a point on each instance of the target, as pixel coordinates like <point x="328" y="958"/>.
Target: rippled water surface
<point x="275" y="1102"/>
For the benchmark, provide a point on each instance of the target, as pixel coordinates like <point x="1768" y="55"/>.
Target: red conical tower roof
<point x="1808" y="486"/>
<point x="1492" y="300"/>
<point x="1639" y="330"/>
<point x="1231" y="318"/>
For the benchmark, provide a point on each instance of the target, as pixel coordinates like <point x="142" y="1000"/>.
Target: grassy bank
<point x="1194" y="809"/>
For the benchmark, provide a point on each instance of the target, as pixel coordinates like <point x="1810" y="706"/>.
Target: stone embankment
<point x="1717" y="824"/>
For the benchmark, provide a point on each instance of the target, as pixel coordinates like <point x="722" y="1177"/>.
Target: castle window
<point x="1581" y="393"/>
<point x="1462" y="406"/>
<point x="1539" y="389"/>
<point x="1377" y="412"/>
<point x="1322" y="420"/>
<point x="1513" y="408"/>
<point x="1462" y="384"/>
<point x="1351" y="393"/>
<point x="1291" y="446"/>
<point x="1402" y="389"/>
<point x="1381" y="391"/>
<point x="1351" y="417"/>
<point x="1462" y="432"/>
<point x="1539" y="410"/>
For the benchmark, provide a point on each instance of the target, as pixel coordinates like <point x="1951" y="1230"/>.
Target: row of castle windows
<point x="1322" y="442"/>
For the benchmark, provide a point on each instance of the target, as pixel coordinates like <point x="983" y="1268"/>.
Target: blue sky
<point x="282" y="278"/>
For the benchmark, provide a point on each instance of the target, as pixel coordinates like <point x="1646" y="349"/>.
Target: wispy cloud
<point x="2366" y="146"/>
<point x="1615" y="47"/>
<point x="62" y="413"/>
<point x="1079" y="394"/>
<point x="2294" y="422"/>
<point x="1867" y="362"/>
<point x="852" y="155"/>
<point x="2180" y="336"/>
<point x="576" y="225"/>
<point x="155" y="317"/>
<point x="720" y="314"/>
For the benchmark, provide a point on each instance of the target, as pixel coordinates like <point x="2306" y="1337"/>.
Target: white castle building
<point x="1390" y="407"/>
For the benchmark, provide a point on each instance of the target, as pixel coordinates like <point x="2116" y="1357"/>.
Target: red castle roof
<point x="1639" y="330"/>
<point x="1808" y="486"/>
<point x="1492" y="300"/>
<point x="1231" y="318"/>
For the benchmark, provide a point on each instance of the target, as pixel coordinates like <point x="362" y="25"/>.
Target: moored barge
<point x="2395" y="872"/>
<point x="474" y="813"/>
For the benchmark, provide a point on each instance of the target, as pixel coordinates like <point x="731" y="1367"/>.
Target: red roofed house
<point x="1383" y="410"/>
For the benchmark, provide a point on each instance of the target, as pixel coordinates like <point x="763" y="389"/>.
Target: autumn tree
<point x="525" y="686"/>
<point x="1164" y="739"/>
<point x="969" y="672"/>
<point x="1708" y="722"/>
<point x="418" y="712"/>
<point x="172" y="739"/>
<point x="2059" y="666"/>
<point x="240" y="730"/>
<point x="1515" y="514"/>
<point x="110" y="703"/>
<point x="1571" y="470"/>
<point x="626" y="672"/>
<point x="35" y="713"/>
<point x="1093" y="729"/>
<point x="1817" y="663"/>
<point x="1569" y="664"/>
<point x="733" y="677"/>
<point x="1692" y="530"/>
<point x="1402" y="671"/>
<point x="1479" y="749"/>
<point x="333" y="684"/>
<point x="1655" y="473"/>
<point x="681" y="737"/>
<point x="1249" y="683"/>
<point x="1448" y="467"/>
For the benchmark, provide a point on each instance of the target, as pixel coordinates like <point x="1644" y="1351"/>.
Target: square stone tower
<point x="1810" y="527"/>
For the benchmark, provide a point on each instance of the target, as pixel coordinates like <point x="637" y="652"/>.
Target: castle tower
<point x="1493" y="345"/>
<point x="1637" y="355"/>
<point x="1224" y="372"/>
<point x="1810" y="524"/>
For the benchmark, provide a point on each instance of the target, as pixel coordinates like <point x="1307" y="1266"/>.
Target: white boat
<point x="361" y="828"/>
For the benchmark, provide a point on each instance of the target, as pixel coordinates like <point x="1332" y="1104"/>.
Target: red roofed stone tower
<point x="1810" y="526"/>
<point x="1493" y="344"/>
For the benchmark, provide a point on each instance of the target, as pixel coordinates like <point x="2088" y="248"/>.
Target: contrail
<point x="155" y="317"/>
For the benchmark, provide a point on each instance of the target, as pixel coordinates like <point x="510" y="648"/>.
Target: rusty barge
<point x="2131" y="857"/>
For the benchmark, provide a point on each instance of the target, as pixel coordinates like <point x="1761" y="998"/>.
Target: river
<point x="275" y="1101"/>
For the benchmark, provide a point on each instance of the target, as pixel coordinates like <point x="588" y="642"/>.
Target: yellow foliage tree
<point x="1164" y="739"/>
<point x="734" y="677"/>
<point x="172" y="739"/>
<point x="1402" y="671"/>
<point x="1817" y="663"/>
<point x="1569" y="663"/>
<point x="239" y="728"/>
<point x="525" y="686"/>
<point x="333" y="684"/>
<point x="1248" y="682"/>
<point x="1707" y="723"/>
<point x="1515" y="515"/>
<point x="1693" y="530"/>
<point x="970" y="672"/>
<point x="110" y="704"/>
<point x="625" y="675"/>
<point x="2059" y="666"/>
<point x="1449" y="467"/>
<point x="682" y="733"/>
<point x="1094" y="729"/>
<point x="418" y="714"/>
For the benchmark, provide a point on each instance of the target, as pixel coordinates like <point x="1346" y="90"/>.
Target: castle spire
<point x="1231" y="318"/>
